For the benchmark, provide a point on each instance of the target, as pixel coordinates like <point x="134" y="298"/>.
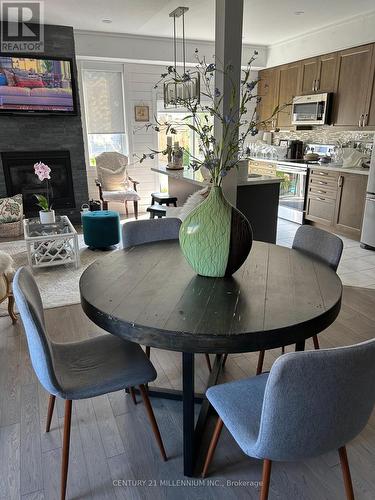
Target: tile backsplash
<point x="325" y="136"/>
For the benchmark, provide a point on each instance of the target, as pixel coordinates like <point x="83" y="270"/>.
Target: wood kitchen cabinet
<point x="353" y="85"/>
<point x="288" y="85"/>
<point x="350" y="204"/>
<point x="369" y="120"/>
<point x="267" y="87"/>
<point x="318" y="74"/>
<point x="336" y="201"/>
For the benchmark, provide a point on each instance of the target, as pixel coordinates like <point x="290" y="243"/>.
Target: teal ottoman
<point x="101" y="229"/>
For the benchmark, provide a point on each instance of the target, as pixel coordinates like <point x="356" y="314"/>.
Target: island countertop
<point x="196" y="178"/>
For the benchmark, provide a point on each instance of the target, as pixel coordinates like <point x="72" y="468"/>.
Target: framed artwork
<point x="141" y="113"/>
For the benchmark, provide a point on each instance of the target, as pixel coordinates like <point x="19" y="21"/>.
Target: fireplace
<point x="20" y="178"/>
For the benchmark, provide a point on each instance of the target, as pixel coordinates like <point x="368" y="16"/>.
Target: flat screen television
<point x="36" y="85"/>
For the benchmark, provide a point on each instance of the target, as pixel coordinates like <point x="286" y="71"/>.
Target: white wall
<point x="350" y="33"/>
<point x="133" y="48"/>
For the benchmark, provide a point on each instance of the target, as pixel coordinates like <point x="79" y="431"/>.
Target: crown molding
<point x="327" y="27"/>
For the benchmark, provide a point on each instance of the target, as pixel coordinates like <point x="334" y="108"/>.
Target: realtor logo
<point x="22" y="28"/>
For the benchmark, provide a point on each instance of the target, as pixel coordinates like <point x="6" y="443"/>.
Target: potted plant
<point x="46" y="214"/>
<point x="215" y="237"/>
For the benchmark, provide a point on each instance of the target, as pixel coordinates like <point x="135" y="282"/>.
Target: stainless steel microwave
<point x="311" y="109"/>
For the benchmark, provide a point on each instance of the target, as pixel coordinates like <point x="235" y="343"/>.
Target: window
<point x="104" y="107"/>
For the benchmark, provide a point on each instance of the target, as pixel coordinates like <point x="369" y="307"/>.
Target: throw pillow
<point x="10" y="78"/>
<point x="193" y="201"/>
<point x="3" y="80"/>
<point x="31" y="83"/>
<point x="11" y="209"/>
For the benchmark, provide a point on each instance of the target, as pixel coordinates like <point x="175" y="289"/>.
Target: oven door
<point x="292" y="192"/>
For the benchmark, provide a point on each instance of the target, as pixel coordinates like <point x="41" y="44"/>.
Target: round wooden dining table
<point x="150" y="295"/>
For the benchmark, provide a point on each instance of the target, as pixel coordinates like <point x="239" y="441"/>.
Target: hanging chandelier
<point x="186" y="87"/>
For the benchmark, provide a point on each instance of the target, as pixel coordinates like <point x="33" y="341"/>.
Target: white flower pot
<point x="47" y="217"/>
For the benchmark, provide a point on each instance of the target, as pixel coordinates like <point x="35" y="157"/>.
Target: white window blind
<point x="103" y="102"/>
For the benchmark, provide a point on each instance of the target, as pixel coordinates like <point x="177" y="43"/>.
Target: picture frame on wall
<point x="142" y="113"/>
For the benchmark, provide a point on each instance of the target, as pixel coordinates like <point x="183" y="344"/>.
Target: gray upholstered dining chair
<point x="332" y="389"/>
<point x="147" y="231"/>
<point x="320" y="245"/>
<point x="79" y="370"/>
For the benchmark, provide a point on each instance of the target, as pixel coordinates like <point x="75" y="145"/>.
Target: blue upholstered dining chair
<point x="321" y="245"/>
<point x="79" y="370"/>
<point x="332" y="390"/>
<point x="147" y="231"/>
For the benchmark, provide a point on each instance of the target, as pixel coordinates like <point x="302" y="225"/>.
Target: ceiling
<point x="265" y="22"/>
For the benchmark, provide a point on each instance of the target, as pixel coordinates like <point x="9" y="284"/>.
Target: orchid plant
<point x="42" y="171"/>
<point x="218" y="156"/>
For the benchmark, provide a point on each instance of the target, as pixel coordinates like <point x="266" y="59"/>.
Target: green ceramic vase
<point x="215" y="237"/>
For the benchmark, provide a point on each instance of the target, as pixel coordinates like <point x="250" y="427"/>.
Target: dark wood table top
<point x="150" y="295"/>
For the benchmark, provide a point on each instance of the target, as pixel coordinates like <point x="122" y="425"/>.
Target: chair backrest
<point x="112" y="171"/>
<point x="30" y="307"/>
<point x="316" y="401"/>
<point x="320" y="244"/>
<point x="146" y="231"/>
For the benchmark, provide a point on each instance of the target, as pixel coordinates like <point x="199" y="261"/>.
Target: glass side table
<point x="51" y="244"/>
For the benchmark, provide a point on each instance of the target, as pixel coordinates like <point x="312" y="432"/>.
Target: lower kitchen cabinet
<point x="335" y="201"/>
<point x="350" y="204"/>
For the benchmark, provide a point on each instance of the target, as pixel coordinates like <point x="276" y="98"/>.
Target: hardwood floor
<point x="111" y="440"/>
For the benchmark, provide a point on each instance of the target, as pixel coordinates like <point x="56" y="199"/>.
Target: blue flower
<point x="210" y="68"/>
<point x="217" y="92"/>
<point x="251" y="85"/>
<point x="223" y="173"/>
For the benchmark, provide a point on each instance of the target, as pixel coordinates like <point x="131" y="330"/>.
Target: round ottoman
<point x="101" y="229"/>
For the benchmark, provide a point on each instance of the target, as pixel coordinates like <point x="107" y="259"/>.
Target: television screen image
<point x="36" y="85"/>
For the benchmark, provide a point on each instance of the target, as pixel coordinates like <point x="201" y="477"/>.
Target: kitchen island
<point x="257" y="197"/>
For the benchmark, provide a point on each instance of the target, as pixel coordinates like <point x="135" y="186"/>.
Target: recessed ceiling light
<point x="299" y="12"/>
<point x="107" y="21"/>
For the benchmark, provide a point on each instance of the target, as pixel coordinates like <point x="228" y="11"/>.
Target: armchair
<point x="114" y="183"/>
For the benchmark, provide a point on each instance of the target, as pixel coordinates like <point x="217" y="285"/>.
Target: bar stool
<point x="156" y="211"/>
<point x="163" y="199"/>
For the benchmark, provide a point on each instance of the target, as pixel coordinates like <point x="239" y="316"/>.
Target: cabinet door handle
<point x="320" y="199"/>
<point x="317" y="82"/>
<point x="323" y="173"/>
<point x="321" y="182"/>
<point x="365" y="118"/>
<point x="313" y="86"/>
<point x="360" y="120"/>
<point x="322" y="192"/>
<point x="339" y="181"/>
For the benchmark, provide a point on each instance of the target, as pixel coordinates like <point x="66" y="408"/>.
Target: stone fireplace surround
<point x="50" y="132"/>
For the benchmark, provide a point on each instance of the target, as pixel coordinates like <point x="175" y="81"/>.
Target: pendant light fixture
<point x="186" y="87"/>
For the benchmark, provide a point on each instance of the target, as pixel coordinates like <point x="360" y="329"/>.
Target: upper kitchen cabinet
<point x="318" y="74"/>
<point x="267" y="91"/>
<point x="288" y="85"/>
<point x="369" y="119"/>
<point x="354" y="82"/>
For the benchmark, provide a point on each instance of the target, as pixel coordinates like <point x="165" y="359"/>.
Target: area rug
<point x="58" y="285"/>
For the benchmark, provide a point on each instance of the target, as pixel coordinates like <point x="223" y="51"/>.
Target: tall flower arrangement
<point x="42" y="171"/>
<point x="218" y="156"/>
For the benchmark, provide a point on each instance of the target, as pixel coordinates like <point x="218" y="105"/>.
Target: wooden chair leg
<point x="212" y="447"/>
<point x="316" y="342"/>
<point x="11" y="312"/>
<point x="51" y="406"/>
<point x="266" y="476"/>
<point x="260" y="362"/>
<point x="65" y="449"/>
<point x="224" y="360"/>
<point x="126" y="209"/>
<point x="346" y="473"/>
<point x="152" y="419"/>
<point x="208" y="362"/>
<point x="135" y="209"/>
<point x="105" y="205"/>
<point x="148" y="351"/>
<point x="132" y="394"/>
<point x="283" y="349"/>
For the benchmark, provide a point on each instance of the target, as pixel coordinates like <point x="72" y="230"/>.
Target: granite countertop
<point x="188" y="175"/>
<point x="323" y="166"/>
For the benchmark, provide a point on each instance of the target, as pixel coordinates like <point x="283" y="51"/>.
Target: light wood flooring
<point x="111" y="439"/>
